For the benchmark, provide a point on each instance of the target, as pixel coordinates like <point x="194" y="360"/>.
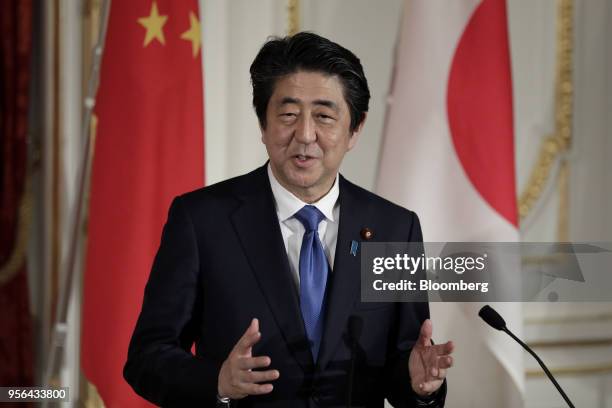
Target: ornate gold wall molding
<point x="293" y="17"/>
<point x="18" y="255"/>
<point x="555" y="146"/>
<point x="93" y="399"/>
<point x="563" y="231"/>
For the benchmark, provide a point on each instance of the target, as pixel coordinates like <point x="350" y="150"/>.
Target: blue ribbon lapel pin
<point x="354" y="247"/>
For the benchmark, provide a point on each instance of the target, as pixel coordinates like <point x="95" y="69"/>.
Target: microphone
<point x="493" y="319"/>
<point x="355" y="325"/>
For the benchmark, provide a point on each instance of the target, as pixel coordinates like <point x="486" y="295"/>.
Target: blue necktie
<point x="313" y="276"/>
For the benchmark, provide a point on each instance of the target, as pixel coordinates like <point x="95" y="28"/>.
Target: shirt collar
<point x="287" y="204"/>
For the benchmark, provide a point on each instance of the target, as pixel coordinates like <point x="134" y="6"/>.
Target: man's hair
<point x="312" y="53"/>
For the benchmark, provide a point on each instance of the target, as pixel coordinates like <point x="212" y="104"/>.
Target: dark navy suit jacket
<point x="222" y="262"/>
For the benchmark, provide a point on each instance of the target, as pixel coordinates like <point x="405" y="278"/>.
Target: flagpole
<point x="60" y="326"/>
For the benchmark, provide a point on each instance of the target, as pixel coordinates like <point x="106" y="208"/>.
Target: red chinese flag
<point x="149" y="147"/>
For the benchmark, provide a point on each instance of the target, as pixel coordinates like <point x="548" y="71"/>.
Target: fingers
<point x="429" y="386"/>
<point x="239" y="383"/>
<point x="439" y="373"/>
<point x="437" y="357"/>
<point x="447" y="348"/>
<point x="445" y="362"/>
<point x="248" y="363"/>
<point x="239" y="376"/>
<point x="442" y="349"/>
<point x="259" y="376"/>
<point x="250" y="337"/>
<point x="245" y="382"/>
<point x="429" y="362"/>
<point x="257" y="389"/>
<point x="435" y="370"/>
<point x="433" y="381"/>
<point x="439" y="366"/>
<point x="425" y="333"/>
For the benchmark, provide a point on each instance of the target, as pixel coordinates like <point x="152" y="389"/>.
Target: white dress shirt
<point x="287" y="204"/>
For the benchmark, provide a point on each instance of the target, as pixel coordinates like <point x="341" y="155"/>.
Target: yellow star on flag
<point x="154" y="24"/>
<point x="193" y="34"/>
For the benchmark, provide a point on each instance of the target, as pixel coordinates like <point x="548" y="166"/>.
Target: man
<point x="260" y="271"/>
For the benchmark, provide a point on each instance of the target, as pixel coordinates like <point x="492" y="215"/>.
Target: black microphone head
<point x="492" y="318"/>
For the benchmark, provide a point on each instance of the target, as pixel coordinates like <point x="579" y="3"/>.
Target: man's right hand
<point x="236" y="378"/>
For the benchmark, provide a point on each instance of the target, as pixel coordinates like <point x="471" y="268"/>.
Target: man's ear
<point x="261" y="129"/>
<point x="355" y="133"/>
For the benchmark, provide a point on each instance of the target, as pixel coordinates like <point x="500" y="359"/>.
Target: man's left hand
<point x="428" y="362"/>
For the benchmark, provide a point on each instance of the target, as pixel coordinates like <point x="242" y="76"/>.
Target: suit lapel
<point x="345" y="278"/>
<point x="256" y="224"/>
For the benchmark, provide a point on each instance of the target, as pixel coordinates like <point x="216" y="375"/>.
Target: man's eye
<point x="289" y="114"/>
<point x="325" y="118"/>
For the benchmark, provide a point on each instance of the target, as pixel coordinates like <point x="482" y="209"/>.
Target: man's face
<point x="307" y="132"/>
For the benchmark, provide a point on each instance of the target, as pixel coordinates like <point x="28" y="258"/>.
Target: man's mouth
<point x="303" y="160"/>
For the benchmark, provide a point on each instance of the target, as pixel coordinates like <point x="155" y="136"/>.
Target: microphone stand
<point x="349" y="390"/>
<point x="548" y="373"/>
<point x="355" y="326"/>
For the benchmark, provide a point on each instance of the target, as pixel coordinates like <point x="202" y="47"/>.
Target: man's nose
<point x="305" y="131"/>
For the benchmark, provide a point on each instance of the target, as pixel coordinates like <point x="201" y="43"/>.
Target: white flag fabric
<point x="448" y="154"/>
